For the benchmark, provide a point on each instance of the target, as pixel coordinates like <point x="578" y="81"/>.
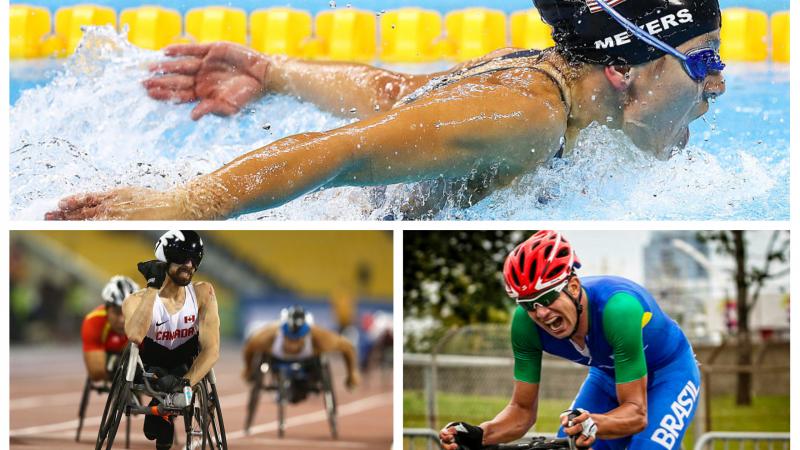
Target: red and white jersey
<point x="171" y="331"/>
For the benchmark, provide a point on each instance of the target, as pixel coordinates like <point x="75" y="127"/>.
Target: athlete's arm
<point x="259" y="342"/>
<point x="506" y="127"/>
<point x="138" y="311"/>
<point x="516" y="418"/>
<point x="630" y="417"/>
<point x="622" y="325"/>
<point x="450" y="134"/>
<point x="225" y="76"/>
<point x="328" y="341"/>
<point x="94" y="354"/>
<point x="208" y="334"/>
<point x="95" y="361"/>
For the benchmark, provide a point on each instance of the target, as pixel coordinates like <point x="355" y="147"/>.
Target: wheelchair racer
<point x="103" y="330"/>
<point x="174" y="322"/>
<point x="643" y="383"/>
<point x="296" y="339"/>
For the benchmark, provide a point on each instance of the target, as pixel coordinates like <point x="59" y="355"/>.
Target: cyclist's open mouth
<point x="555" y="324"/>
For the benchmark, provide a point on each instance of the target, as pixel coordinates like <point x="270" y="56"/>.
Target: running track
<point x="46" y="384"/>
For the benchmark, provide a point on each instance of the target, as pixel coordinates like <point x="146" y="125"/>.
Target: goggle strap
<point x="642" y="35"/>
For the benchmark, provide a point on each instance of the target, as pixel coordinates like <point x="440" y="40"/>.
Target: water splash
<point x="93" y="127"/>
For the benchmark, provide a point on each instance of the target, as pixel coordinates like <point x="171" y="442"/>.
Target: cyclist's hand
<point x="222" y="75"/>
<point x="457" y="435"/>
<point x="583" y="428"/>
<point x="352" y="380"/>
<point x="154" y="272"/>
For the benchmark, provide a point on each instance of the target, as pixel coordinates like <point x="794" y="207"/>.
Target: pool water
<point x="87" y="125"/>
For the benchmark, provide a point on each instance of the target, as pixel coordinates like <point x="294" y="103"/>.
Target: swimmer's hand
<point x="119" y="204"/>
<point x="222" y="75"/>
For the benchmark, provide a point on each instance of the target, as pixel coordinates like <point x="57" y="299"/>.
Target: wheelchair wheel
<point x="329" y="397"/>
<point x="257" y="377"/>
<point x="196" y="419"/>
<point x="216" y="427"/>
<point x="283" y="398"/>
<point x="112" y="414"/>
<point x="87" y="389"/>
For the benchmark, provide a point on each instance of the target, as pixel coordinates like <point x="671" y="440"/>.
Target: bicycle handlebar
<point x="535" y="443"/>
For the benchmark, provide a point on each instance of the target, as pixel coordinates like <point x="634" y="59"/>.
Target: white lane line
<point x="346" y="409"/>
<point x="319" y="416"/>
<point x="38" y="401"/>
<point x="308" y="443"/>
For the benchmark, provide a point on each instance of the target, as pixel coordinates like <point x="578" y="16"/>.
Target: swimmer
<point x="476" y="127"/>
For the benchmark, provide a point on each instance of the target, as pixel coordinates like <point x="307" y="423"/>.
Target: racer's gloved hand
<point x="578" y="423"/>
<point x="462" y="434"/>
<point x="154" y="271"/>
<point x="168" y="383"/>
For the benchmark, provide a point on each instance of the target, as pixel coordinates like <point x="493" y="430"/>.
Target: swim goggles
<point x="546" y="299"/>
<point x="697" y="63"/>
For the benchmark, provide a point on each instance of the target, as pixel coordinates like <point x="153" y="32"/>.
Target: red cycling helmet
<point x="541" y="264"/>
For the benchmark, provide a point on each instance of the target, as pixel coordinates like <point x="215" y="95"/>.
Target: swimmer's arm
<point x="346" y="89"/>
<point x="428" y="198"/>
<point x="138" y="311"/>
<point x="447" y="134"/>
<point x="208" y="334"/>
<point x="95" y="361"/>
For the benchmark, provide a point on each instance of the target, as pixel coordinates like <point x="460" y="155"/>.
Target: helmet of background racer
<point x="179" y="246"/>
<point x="295" y="322"/>
<point x="540" y="265"/>
<point x="117" y="289"/>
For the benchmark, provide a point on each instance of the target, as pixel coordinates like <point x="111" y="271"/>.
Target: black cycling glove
<point x="467" y="436"/>
<point x="154" y="272"/>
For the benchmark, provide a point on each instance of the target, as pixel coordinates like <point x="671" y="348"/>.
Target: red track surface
<point x="46" y="385"/>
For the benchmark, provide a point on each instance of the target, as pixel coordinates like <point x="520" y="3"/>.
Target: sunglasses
<point x="545" y="300"/>
<point x="697" y="63"/>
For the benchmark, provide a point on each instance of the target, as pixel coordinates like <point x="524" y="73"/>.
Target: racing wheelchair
<point x="202" y="417"/>
<point x="101" y="387"/>
<point x="292" y="381"/>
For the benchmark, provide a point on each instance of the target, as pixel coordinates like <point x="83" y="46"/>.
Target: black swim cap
<point x="583" y="31"/>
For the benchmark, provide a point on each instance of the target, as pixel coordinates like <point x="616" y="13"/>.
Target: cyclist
<point x="643" y="382"/>
<point x="174" y="322"/>
<point x="295" y="338"/>
<point x="103" y="329"/>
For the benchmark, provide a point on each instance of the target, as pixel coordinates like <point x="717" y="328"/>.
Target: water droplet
<point x="332" y="3"/>
<point x="266" y="126"/>
<point x="609" y="119"/>
<point x="353" y="110"/>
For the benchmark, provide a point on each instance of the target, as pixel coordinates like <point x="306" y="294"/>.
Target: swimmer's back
<point x="525" y="70"/>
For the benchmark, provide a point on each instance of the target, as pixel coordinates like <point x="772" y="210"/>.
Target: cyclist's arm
<point x="516" y="418"/>
<point x="208" y="334"/>
<point x="138" y="311"/>
<point x="328" y="341"/>
<point x="622" y="325"/>
<point x="630" y="417"/>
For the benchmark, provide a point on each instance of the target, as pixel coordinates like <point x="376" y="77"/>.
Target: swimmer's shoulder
<point x="485" y="58"/>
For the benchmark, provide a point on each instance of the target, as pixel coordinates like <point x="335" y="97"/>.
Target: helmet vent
<point x="554" y="272"/>
<point x="563" y="253"/>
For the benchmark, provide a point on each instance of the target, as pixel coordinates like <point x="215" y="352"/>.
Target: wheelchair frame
<point x="202" y="413"/>
<point x="281" y="384"/>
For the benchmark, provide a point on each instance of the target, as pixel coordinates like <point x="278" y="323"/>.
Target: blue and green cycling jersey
<point x="629" y="335"/>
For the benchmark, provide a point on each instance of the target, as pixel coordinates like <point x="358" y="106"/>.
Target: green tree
<point x="749" y="278"/>
<point x="455" y="278"/>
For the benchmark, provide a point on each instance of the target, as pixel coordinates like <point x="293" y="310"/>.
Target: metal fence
<point x="757" y="441"/>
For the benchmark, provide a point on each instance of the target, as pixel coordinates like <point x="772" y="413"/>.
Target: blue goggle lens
<point x="700" y="62"/>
